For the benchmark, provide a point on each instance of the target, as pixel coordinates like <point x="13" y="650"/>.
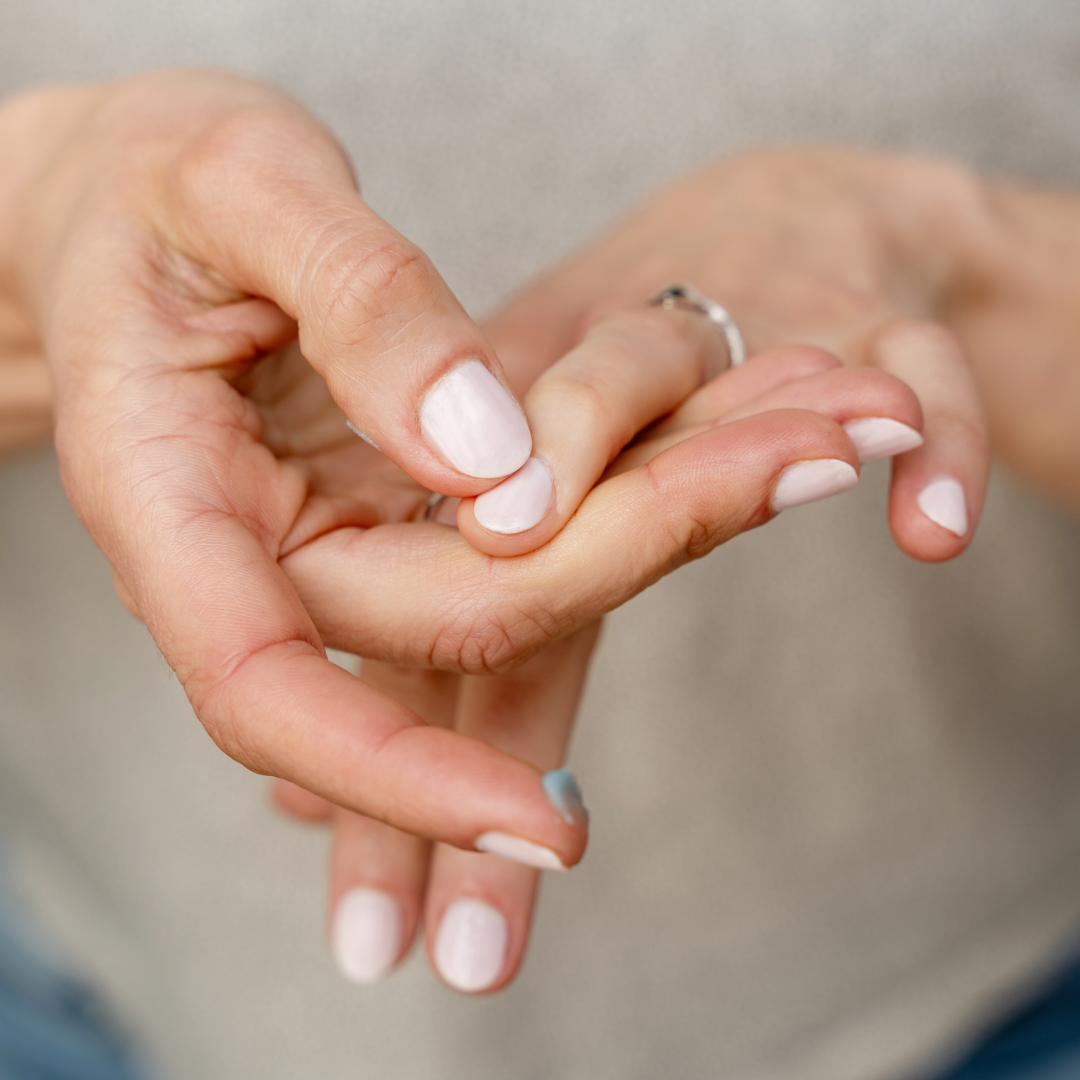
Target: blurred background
<point x="824" y="845"/>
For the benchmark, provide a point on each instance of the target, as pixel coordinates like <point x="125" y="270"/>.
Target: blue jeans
<point x="51" y="1026"/>
<point x="1041" y="1041"/>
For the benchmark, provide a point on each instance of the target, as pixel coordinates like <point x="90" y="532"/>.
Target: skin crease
<point x="852" y="252"/>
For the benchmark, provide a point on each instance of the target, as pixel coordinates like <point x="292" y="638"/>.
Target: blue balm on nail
<point x="561" y="787"/>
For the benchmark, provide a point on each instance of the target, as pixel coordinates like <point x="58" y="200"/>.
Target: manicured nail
<point x="470" y="948"/>
<point x="519" y="850"/>
<point x="879" y="437"/>
<point x="472" y="422"/>
<point x="367" y="438"/>
<point x="366" y="937"/>
<point x="561" y="787"/>
<point x="806" y="481"/>
<point x="944" y="503"/>
<point x="519" y="502"/>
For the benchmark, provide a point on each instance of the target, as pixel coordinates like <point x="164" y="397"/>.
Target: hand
<point x="819" y="244"/>
<point x="159" y="238"/>
<point x="166" y="238"/>
<point x="861" y="254"/>
<point x="476" y="909"/>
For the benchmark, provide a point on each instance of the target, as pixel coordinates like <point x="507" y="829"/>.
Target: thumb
<point x="267" y="199"/>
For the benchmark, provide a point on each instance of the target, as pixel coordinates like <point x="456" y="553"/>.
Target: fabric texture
<point x="835" y="797"/>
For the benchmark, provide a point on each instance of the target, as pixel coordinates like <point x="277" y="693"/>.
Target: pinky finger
<point x="938" y="489"/>
<point x="377" y="876"/>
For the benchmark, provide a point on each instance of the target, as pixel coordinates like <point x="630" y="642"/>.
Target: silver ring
<point x="688" y="297"/>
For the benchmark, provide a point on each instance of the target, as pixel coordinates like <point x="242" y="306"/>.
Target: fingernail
<point x="806" y="481"/>
<point x="366" y="937"/>
<point x="561" y="787"/>
<point x="470" y="948"/>
<point x="879" y="437"/>
<point x="472" y="422"/>
<point x="518" y="850"/>
<point x="944" y="503"/>
<point x="519" y="502"/>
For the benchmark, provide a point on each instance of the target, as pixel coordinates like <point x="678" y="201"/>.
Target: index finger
<point x="265" y="197"/>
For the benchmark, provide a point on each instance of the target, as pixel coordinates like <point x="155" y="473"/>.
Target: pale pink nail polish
<point x="807" y="481"/>
<point x="881" y="437"/>
<point x="366" y="934"/>
<point x="519" y="502"/>
<point x="519" y="850"/>
<point x="473" y="423"/>
<point x="944" y="503"/>
<point x="470" y="947"/>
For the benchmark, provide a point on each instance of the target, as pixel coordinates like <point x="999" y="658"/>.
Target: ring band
<point x="686" y="296"/>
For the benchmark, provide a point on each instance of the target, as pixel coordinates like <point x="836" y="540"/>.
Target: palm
<point x="348" y="484"/>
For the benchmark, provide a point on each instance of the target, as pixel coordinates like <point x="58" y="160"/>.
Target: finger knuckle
<point x="223" y="153"/>
<point x="583" y="394"/>
<point x="478" y="638"/>
<point x="364" y="288"/>
<point x="473" y="644"/>
<point x="694" y="524"/>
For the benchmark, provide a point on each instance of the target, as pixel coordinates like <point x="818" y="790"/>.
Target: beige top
<point x="823" y="846"/>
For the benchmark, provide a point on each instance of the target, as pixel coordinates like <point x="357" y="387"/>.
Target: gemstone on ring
<point x="683" y="295"/>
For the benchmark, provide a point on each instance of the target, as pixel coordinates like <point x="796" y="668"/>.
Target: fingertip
<point x="812" y="480"/>
<point x="474" y="423"/>
<point x="933" y="518"/>
<point x="470" y="946"/>
<point x="513" y="517"/>
<point x="367" y="935"/>
<point x="519" y="503"/>
<point x="944" y="502"/>
<point x="477" y="919"/>
<point x="519" y="850"/>
<point x="878" y="437"/>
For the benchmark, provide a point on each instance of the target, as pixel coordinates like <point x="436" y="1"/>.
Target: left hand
<point x="477" y="909"/>
<point x="848" y="251"/>
<point x="866" y="255"/>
